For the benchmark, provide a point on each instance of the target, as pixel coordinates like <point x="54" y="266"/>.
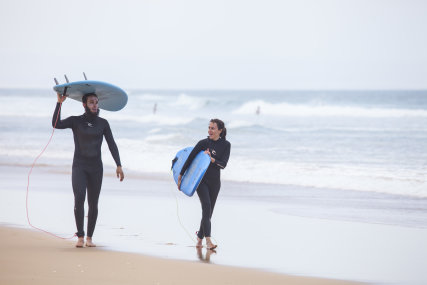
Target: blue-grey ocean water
<point x="302" y="162"/>
<point x="372" y="141"/>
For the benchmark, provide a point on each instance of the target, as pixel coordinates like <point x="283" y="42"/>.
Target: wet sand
<point x="29" y="257"/>
<point x="291" y="232"/>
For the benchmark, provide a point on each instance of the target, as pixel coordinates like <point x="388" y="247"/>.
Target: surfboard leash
<point x="179" y="218"/>
<point x="180" y="222"/>
<point x="28" y="183"/>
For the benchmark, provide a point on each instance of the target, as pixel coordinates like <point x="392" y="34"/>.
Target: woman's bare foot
<point x="80" y="242"/>
<point x="208" y="254"/>
<point x="89" y="242"/>
<point x="199" y="243"/>
<point x="209" y="244"/>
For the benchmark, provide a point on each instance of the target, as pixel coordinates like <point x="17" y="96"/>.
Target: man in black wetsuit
<point x="218" y="148"/>
<point x="88" y="131"/>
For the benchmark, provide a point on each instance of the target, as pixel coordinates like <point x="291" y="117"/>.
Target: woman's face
<point x="213" y="131"/>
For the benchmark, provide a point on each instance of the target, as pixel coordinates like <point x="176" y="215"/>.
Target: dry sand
<point x="29" y="257"/>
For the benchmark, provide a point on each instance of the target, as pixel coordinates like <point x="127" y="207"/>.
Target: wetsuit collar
<point x="89" y="116"/>
<point x="214" y="140"/>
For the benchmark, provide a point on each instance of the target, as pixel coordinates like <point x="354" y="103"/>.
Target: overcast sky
<point x="231" y="44"/>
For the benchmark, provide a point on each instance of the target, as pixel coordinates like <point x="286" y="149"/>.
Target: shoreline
<point x="30" y="256"/>
<point x="109" y="171"/>
<point x="303" y="194"/>
<point x="291" y="231"/>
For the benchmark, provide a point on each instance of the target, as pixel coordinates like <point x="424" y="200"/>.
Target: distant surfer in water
<point x="218" y="148"/>
<point x="88" y="131"/>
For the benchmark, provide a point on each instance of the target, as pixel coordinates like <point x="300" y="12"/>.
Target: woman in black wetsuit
<point x="88" y="131"/>
<point x="218" y="148"/>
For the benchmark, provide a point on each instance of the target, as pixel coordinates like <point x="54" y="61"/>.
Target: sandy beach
<point x="30" y="257"/>
<point x="145" y="228"/>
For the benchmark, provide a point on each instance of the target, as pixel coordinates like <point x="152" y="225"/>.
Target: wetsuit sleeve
<point x="61" y="124"/>
<point x="112" y="144"/>
<point x="193" y="153"/>
<point x="222" y="161"/>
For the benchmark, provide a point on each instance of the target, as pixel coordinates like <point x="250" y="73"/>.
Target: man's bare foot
<point x="199" y="243"/>
<point x="80" y="242"/>
<point x="89" y="242"/>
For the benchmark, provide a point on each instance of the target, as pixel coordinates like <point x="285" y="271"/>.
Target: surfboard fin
<point x="66" y="78"/>
<point x="56" y="81"/>
<point x="173" y="162"/>
<point x="84" y="74"/>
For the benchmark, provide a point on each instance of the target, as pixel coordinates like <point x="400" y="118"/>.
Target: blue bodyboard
<point x="111" y="98"/>
<point x="194" y="173"/>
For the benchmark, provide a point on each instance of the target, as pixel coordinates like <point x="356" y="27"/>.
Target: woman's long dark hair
<point x="221" y="126"/>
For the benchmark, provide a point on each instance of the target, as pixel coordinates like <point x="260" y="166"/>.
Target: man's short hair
<point x="84" y="98"/>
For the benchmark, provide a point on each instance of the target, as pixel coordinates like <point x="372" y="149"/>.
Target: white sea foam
<point x="155" y="153"/>
<point x="299" y="110"/>
<point x="160" y="138"/>
<point x="240" y="124"/>
<point x="149" y="97"/>
<point x="150" y="155"/>
<point x="155" y="130"/>
<point x="345" y="177"/>
<point x="150" y="119"/>
<point x="191" y="102"/>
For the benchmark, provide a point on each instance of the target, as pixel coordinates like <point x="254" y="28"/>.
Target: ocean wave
<point x="300" y="110"/>
<point x="160" y="138"/>
<point x="241" y="124"/>
<point x="191" y="102"/>
<point x="150" y="97"/>
<point x="342" y="177"/>
<point x="152" y="118"/>
<point x="310" y="174"/>
<point x="251" y="127"/>
<point x="13" y="114"/>
<point x="262" y="126"/>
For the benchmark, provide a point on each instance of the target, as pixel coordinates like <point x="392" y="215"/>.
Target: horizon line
<point x="238" y="89"/>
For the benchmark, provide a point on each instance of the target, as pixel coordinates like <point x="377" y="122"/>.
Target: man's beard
<point x="89" y="113"/>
